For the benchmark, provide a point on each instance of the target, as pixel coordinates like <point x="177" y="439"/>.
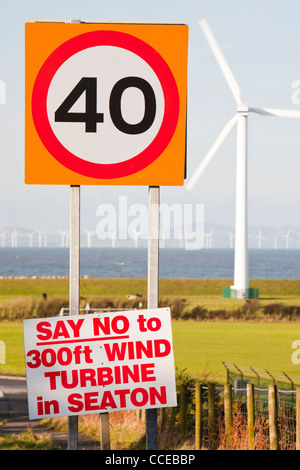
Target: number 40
<point x="91" y="117"/>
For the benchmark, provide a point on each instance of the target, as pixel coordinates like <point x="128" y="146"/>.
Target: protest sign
<point x="82" y="364"/>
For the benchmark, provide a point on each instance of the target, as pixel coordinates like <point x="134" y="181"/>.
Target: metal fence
<point x="212" y="403"/>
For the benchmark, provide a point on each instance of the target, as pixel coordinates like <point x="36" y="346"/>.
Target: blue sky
<point x="261" y="41"/>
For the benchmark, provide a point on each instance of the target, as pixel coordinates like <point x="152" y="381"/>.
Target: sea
<point x="132" y="263"/>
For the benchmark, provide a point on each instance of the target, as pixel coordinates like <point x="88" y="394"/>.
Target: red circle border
<point x="160" y="68"/>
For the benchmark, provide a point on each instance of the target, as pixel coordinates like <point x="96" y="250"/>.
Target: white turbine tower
<point x="14" y="238"/>
<point x="275" y="240"/>
<point x="135" y="235"/>
<point x="209" y="239"/>
<point x="163" y="236"/>
<point x="113" y="236"/>
<point x="40" y="238"/>
<point x="188" y="236"/>
<point x="231" y="237"/>
<point x="30" y="236"/>
<point x="3" y="235"/>
<point x="89" y="235"/>
<point x="287" y="239"/>
<point x="260" y="237"/>
<point x="64" y="237"/>
<point x="241" y="276"/>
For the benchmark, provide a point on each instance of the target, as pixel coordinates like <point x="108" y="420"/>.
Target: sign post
<point x="74" y="287"/>
<point x="153" y="292"/>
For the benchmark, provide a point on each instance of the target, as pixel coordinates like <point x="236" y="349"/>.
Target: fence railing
<point x="223" y="417"/>
<point x="235" y="419"/>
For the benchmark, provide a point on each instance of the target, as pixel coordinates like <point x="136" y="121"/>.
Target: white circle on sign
<point x="108" y="65"/>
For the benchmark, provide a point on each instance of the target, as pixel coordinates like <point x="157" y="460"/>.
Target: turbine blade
<point x="283" y="113"/>
<point x="211" y="153"/>
<point x="231" y="81"/>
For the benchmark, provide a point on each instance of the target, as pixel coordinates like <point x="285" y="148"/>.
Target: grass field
<point x="199" y="347"/>
<point x="268" y="288"/>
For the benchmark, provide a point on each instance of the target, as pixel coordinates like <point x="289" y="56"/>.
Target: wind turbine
<point x="64" y="235"/>
<point x="30" y="237"/>
<point x="209" y="239"/>
<point x="275" y="240"/>
<point x="188" y="236"/>
<point x="287" y="238"/>
<point x="113" y="236"/>
<point x="14" y="238"/>
<point x="3" y="235"/>
<point x="135" y="235"/>
<point x="89" y="234"/>
<point x="163" y="236"/>
<point x="260" y="237"/>
<point x="241" y="270"/>
<point x="40" y="235"/>
<point x="231" y="237"/>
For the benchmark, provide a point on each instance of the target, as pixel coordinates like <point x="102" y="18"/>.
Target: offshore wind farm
<point x="214" y="237"/>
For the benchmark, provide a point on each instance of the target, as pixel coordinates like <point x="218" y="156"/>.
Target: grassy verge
<point x="168" y="287"/>
<point x="26" y="441"/>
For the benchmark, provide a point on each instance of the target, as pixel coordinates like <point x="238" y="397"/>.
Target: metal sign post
<point x="152" y="293"/>
<point x="74" y="288"/>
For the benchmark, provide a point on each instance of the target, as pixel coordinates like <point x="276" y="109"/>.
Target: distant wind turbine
<point x="275" y="240"/>
<point x="135" y="235"/>
<point x="209" y="239"/>
<point x="40" y="238"/>
<point x="3" y="236"/>
<point x="89" y="235"/>
<point x="260" y="237"/>
<point x="164" y="236"/>
<point x="14" y="238"/>
<point x="241" y="274"/>
<point x="231" y="237"/>
<point x="113" y="236"/>
<point x="64" y="236"/>
<point x="287" y="239"/>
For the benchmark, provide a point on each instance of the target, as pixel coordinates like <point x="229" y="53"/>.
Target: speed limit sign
<point x="105" y="103"/>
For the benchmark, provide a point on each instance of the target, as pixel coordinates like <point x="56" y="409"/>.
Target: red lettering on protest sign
<point x="137" y="349"/>
<point x="64" y="356"/>
<point x="99" y="362"/>
<point x="101" y="376"/>
<point x="62" y="329"/>
<point x="138" y="397"/>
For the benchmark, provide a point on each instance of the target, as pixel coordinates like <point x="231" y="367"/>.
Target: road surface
<point x="13" y="397"/>
<point x="14" y="414"/>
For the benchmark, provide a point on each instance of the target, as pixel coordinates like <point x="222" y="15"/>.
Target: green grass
<point x="271" y="288"/>
<point x="26" y="441"/>
<point x="200" y="347"/>
<point x="12" y="335"/>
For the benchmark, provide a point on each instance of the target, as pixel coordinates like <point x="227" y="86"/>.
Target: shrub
<point x="199" y="313"/>
<point x="273" y="310"/>
<point x="50" y="307"/>
<point x="176" y="305"/>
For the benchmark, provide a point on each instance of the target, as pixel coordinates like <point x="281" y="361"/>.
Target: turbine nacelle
<point x="242" y="109"/>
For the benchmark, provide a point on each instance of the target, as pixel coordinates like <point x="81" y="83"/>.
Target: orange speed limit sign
<point x="105" y="103"/>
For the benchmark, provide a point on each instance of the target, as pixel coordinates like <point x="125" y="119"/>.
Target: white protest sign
<point x="97" y="363"/>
